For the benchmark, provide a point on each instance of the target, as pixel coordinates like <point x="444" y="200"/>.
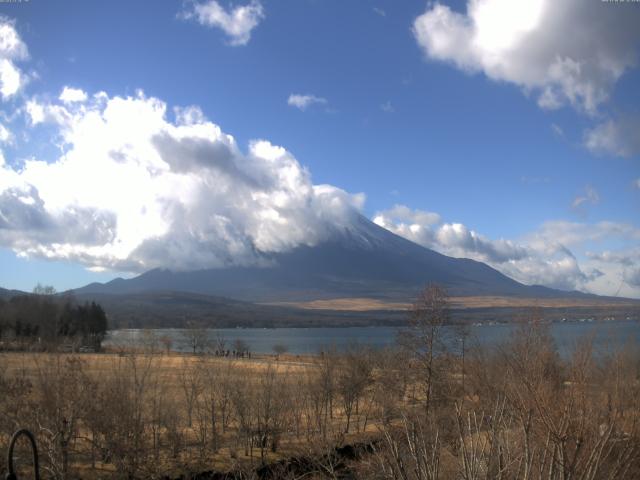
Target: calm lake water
<point x="606" y="335"/>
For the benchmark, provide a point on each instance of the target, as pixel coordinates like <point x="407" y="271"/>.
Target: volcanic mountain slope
<point x="363" y="260"/>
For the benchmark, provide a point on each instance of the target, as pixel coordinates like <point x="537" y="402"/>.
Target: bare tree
<point x="150" y="341"/>
<point x="243" y="402"/>
<point x="191" y="384"/>
<point x="280" y="349"/>
<point x="167" y="342"/>
<point x="221" y="343"/>
<point x="195" y="337"/>
<point x="271" y="405"/>
<point x="120" y="414"/>
<point x="424" y="337"/>
<point x="407" y="452"/>
<point x="323" y="386"/>
<point x="240" y="347"/>
<point x="63" y="396"/>
<point x="354" y="376"/>
<point x="40" y="289"/>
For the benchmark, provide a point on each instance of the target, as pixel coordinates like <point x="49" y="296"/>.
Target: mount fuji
<point x="361" y="260"/>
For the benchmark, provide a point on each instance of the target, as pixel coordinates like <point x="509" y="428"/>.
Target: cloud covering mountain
<point x="542" y="257"/>
<point x="135" y="190"/>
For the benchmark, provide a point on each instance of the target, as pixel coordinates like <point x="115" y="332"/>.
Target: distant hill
<point x="364" y="260"/>
<point x="6" y="294"/>
<point x="160" y="309"/>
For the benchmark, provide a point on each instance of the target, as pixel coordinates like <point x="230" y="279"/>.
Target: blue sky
<point x="506" y="159"/>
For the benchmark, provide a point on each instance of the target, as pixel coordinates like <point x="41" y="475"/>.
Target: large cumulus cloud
<point x="137" y="187"/>
<point x="569" y="52"/>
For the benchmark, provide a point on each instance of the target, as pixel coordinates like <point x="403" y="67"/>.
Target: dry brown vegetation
<point x="372" y="304"/>
<point x="149" y="414"/>
<point x="519" y="411"/>
<point x="515" y="412"/>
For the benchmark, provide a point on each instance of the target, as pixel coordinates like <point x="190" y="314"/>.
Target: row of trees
<point x="47" y="319"/>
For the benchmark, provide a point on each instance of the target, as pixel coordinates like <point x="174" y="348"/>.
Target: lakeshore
<point x="311" y="341"/>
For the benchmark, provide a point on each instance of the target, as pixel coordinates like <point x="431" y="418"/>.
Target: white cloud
<point x="305" y="101"/>
<point x="589" y="197"/>
<point x="459" y="240"/>
<point x="544" y="257"/>
<point x="10" y="78"/>
<point x="387" y="107"/>
<point x="379" y="11"/>
<point x="455" y="239"/>
<point x="624" y="265"/>
<point x="632" y="277"/>
<point x="12" y="49"/>
<point x="37" y="112"/>
<point x="405" y="214"/>
<point x="569" y="52"/>
<point x="557" y="130"/>
<point x="71" y="95"/>
<point x="620" y="137"/>
<point x="135" y="190"/>
<point x="576" y="233"/>
<point x="637" y="184"/>
<point x="5" y="134"/>
<point x="237" y="22"/>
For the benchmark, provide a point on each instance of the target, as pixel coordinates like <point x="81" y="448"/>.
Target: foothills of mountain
<point x="179" y="309"/>
<point x="45" y="320"/>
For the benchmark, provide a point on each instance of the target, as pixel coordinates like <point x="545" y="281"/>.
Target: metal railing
<point x="11" y="475"/>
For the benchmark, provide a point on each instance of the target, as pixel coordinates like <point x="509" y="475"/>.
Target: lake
<point x="606" y="334"/>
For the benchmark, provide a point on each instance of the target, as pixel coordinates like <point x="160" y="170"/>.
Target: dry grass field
<point x="179" y="412"/>
<point x="431" y="413"/>
<point x="168" y="366"/>
<point x="370" y="304"/>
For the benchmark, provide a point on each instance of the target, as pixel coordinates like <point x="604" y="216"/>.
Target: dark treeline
<point x="45" y="319"/>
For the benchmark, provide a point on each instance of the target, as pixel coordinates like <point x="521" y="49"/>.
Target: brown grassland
<point x="426" y="410"/>
<point x="370" y="304"/>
